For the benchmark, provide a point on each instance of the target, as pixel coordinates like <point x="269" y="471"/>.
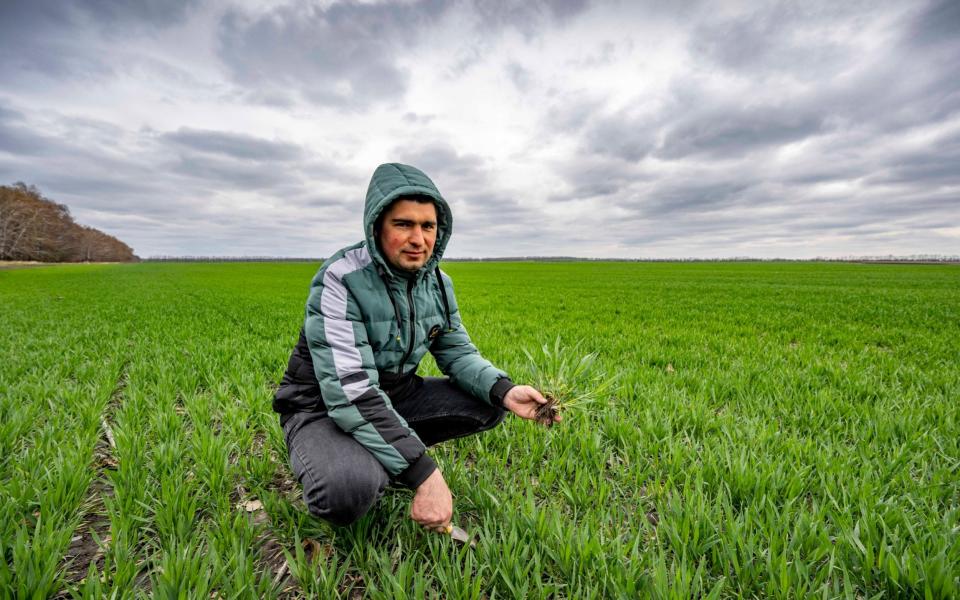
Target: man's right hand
<point x="432" y="504"/>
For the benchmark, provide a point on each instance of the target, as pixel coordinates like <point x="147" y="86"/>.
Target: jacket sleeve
<point x="349" y="382"/>
<point x="460" y="360"/>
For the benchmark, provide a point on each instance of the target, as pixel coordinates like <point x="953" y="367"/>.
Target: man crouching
<point x="355" y="414"/>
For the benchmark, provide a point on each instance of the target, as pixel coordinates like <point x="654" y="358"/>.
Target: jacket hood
<point x="392" y="181"/>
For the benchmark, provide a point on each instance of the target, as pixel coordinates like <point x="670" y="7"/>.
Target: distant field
<point x="777" y="430"/>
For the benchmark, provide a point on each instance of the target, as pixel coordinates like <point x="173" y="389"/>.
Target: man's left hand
<point x="522" y="400"/>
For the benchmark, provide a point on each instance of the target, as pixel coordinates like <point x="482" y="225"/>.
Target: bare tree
<point x="35" y="228"/>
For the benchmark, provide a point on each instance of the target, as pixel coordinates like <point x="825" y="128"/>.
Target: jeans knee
<point x="346" y="499"/>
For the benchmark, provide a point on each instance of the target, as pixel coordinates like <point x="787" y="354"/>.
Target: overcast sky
<point x="569" y="127"/>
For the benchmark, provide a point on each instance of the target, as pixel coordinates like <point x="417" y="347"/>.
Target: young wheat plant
<point x="567" y="378"/>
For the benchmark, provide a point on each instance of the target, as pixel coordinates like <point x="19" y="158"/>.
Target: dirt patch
<point x="84" y="549"/>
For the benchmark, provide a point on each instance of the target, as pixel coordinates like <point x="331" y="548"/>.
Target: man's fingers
<point x="437" y="526"/>
<point x="534" y="393"/>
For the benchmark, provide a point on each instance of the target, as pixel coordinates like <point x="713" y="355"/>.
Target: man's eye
<point x="429" y="226"/>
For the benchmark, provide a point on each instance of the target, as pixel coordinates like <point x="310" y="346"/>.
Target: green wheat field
<point x="778" y="430"/>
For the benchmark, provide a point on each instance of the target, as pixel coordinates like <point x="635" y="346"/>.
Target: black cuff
<point x="417" y="473"/>
<point x="499" y="390"/>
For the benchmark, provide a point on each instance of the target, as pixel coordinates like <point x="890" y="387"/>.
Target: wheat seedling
<point x="566" y="378"/>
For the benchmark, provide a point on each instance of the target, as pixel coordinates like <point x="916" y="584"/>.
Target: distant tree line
<point x="36" y="228"/>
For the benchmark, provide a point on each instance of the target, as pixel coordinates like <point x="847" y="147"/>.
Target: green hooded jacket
<point x="366" y="320"/>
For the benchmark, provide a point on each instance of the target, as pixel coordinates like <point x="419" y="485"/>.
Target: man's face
<point x="408" y="233"/>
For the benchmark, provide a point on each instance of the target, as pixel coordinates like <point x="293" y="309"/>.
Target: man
<point x="355" y="414"/>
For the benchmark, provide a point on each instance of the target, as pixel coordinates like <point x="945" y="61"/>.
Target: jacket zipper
<point x="413" y="327"/>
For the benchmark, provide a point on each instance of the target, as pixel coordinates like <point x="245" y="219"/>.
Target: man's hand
<point x="432" y="504"/>
<point x="522" y="400"/>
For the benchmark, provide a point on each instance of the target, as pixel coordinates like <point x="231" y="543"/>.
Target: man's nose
<point x="416" y="236"/>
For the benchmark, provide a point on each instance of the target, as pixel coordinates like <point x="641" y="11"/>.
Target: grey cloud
<point x="493" y="17"/>
<point x="733" y="133"/>
<point x="19" y="139"/>
<point x="496" y="206"/>
<point x="935" y="166"/>
<point x="674" y="197"/>
<point x="439" y="157"/>
<point x="96" y="186"/>
<point x="452" y="171"/>
<point x="704" y="169"/>
<point x="465" y="181"/>
<point x="343" y="55"/>
<point x="56" y="59"/>
<point x="592" y="177"/>
<point x="936" y="23"/>
<point x="40" y="14"/>
<point x="779" y="39"/>
<point x="236" y="145"/>
<point x="565" y="9"/>
<point x="570" y="113"/>
<point x="327" y="202"/>
<point x="820" y="173"/>
<point x="495" y="213"/>
<point x="418" y="119"/>
<point x="519" y="76"/>
<point x="621" y="136"/>
<point x="527" y="17"/>
<point x="52" y="37"/>
<point x="228" y="173"/>
<point x="602" y="54"/>
<point x="154" y="13"/>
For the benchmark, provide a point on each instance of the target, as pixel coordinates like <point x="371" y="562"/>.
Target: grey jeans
<point x="341" y="479"/>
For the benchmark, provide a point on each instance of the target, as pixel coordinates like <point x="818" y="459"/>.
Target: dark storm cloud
<point x="236" y="145"/>
<point x="343" y="55"/>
